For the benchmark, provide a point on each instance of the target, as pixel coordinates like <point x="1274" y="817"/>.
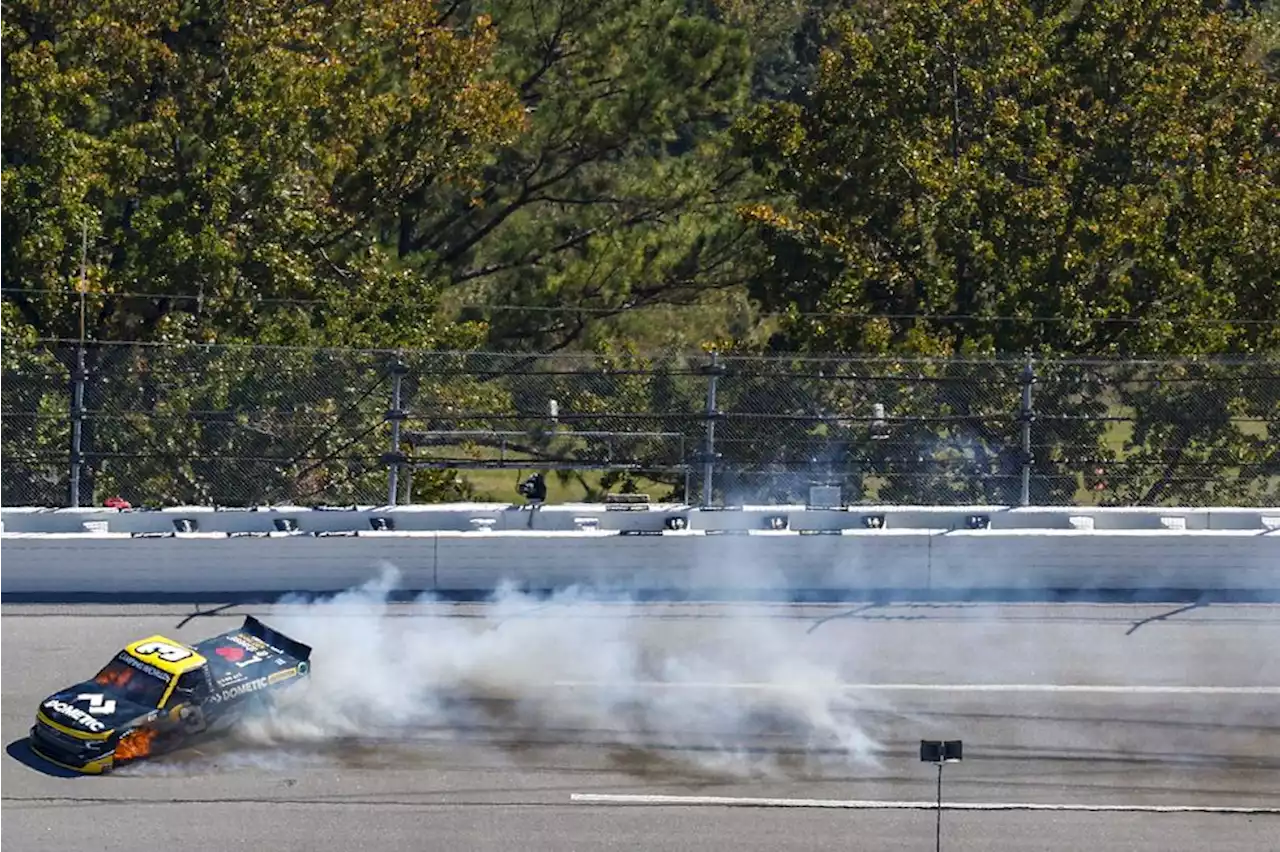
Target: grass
<point x="581" y="487"/>
<point x="576" y="486"/>
<point x="592" y="485"/>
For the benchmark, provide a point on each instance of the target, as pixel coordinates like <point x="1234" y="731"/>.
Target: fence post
<point x="78" y="376"/>
<point x="393" y="457"/>
<point x="709" y="451"/>
<point x="688" y="470"/>
<point x="1" y="491"/>
<point x="1027" y="416"/>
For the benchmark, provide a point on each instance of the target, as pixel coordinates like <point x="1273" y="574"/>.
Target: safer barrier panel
<point x="685" y="562"/>
<point x="923" y="564"/>
<point x="1140" y="560"/>
<point x="203" y="568"/>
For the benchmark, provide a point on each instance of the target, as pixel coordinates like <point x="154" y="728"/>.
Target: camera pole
<point x="937" y="835"/>
<point x="940" y="752"/>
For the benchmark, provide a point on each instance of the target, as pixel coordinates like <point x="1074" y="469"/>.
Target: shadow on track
<point x="20" y="750"/>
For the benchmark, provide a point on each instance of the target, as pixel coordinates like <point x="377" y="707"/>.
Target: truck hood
<point x="90" y="709"/>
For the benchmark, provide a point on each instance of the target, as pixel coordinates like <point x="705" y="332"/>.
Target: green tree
<point x="225" y="159"/>
<point x="1096" y="177"/>
<point x="1080" y="161"/>
<point x="622" y="193"/>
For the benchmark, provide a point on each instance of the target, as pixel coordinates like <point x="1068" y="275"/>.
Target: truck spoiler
<point x="292" y="647"/>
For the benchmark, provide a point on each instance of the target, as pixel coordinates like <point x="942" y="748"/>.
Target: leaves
<point x="1098" y="178"/>
<point x="1076" y="162"/>
<point x="925" y="177"/>
<point x="621" y="192"/>
<point x="232" y="155"/>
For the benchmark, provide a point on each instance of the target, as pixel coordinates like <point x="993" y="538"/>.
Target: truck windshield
<point x="131" y="683"/>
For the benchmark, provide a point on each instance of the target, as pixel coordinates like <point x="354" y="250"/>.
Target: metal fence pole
<point x="395" y="458"/>
<point x="1" y="491"/>
<point x="709" y="451"/>
<point x="688" y="471"/>
<point x="1027" y="416"/>
<point x="78" y="376"/>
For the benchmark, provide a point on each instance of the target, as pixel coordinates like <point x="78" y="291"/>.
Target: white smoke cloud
<point x="727" y="692"/>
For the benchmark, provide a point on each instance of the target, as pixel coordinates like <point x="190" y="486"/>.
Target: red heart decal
<point x="230" y="652"/>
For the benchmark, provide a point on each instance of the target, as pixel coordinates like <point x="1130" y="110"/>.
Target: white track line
<point x="1123" y="689"/>
<point x="869" y="804"/>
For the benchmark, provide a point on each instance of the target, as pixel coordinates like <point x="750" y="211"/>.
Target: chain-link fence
<point x="241" y="426"/>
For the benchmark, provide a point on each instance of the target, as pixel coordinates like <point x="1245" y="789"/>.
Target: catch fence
<point x="246" y="426"/>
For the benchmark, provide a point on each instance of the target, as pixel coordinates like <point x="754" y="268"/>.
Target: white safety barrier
<point x="500" y="517"/>
<point x="925" y="550"/>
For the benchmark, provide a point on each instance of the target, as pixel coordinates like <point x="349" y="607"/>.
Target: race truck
<point x="158" y="694"/>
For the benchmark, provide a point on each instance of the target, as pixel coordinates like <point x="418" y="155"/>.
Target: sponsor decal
<point x="229" y="653"/>
<point x="276" y="677"/>
<point x="259" y="649"/>
<point x="85" y="720"/>
<point x="162" y="651"/>
<point x="143" y="667"/>
<point x="249" y="643"/>
<point x="239" y="690"/>
<point x="99" y="704"/>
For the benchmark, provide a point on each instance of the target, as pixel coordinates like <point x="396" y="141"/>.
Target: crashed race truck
<point x="157" y="695"/>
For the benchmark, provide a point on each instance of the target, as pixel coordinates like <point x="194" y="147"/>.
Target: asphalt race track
<point x="532" y="726"/>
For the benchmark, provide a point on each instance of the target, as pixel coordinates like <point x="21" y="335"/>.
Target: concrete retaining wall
<point x="909" y="551"/>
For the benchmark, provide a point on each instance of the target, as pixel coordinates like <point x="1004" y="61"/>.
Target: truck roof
<point x="166" y="654"/>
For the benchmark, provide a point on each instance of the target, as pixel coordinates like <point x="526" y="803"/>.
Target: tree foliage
<point x="223" y="163"/>
<point x="918" y="177"/>
<point x="1065" y="163"/>
<point x="1097" y="178"/>
<point x="622" y="192"/>
<point x="227" y="157"/>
